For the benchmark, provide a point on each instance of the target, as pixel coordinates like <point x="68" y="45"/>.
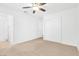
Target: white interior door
<point x="3" y="28"/>
<point x="6" y="28"/>
<point x="52" y="28"/>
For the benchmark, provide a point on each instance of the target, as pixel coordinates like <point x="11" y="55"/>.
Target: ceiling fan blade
<point x="42" y="9"/>
<point x="33" y="11"/>
<point x="26" y="7"/>
<point x="42" y="4"/>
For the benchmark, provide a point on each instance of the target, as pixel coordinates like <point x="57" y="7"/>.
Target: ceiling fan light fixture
<point x="36" y="8"/>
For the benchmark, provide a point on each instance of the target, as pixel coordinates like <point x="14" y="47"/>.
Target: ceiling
<point x="50" y="7"/>
<point x="57" y="7"/>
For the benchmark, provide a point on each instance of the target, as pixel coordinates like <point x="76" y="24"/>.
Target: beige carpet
<point x="39" y="47"/>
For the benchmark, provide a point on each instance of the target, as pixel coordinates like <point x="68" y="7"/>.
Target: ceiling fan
<point x="36" y="7"/>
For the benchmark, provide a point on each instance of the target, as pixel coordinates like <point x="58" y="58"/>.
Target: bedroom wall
<point x="69" y="23"/>
<point x="51" y="30"/>
<point x="77" y="27"/>
<point x="25" y="25"/>
<point x="68" y="20"/>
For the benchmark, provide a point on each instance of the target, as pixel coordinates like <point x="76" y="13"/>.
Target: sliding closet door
<point x="3" y="28"/>
<point x="52" y="28"/>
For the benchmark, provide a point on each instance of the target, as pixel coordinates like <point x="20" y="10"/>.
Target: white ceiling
<point x="57" y="7"/>
<point x="50" y="7"/>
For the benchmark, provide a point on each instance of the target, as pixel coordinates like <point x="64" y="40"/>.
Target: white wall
<point x="68" y="28"/>
<point x="52" y="28"/>
<point x="69" y="22"/>
<point x="77" y="27"/>
<point x="25" y="26"/>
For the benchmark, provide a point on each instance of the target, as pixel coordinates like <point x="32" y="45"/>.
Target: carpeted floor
<point x="38" y="47"/>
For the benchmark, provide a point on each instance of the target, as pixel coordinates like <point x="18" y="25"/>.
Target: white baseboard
<point x="64" y="42"/>
<point x="17" y="42"/>
<point x="69" y="43"/>
<point x="2" y="40"/>
<point x="78" y="48"/>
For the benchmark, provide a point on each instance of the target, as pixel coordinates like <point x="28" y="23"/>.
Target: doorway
<point x="6" y="27"/>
